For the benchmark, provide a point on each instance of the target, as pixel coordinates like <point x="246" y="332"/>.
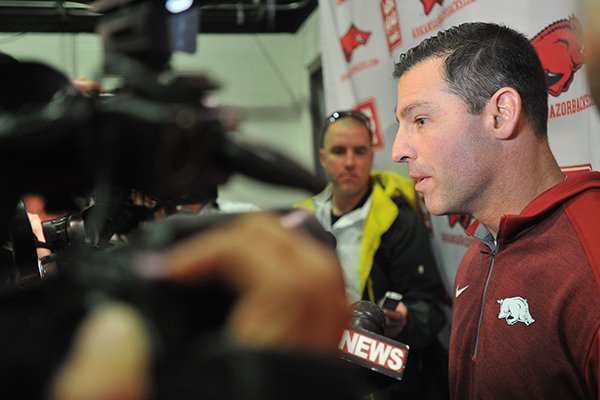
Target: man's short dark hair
<point x="479" y="59"/>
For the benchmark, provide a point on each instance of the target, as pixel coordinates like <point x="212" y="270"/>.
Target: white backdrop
<point x="361" y="40"/>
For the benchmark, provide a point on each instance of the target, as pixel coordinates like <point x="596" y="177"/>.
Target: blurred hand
<point x="395" y="320"/>
<point x="88" y="86"/>
<point x="139" y="198"/>
<point x="290" y="294"/>
<point x="290" y="287"/>
<point x="109" y="360"/>
<point x="37" y="229"/>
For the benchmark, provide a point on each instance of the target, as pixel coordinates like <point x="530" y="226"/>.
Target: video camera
<point x="156" y="134"/>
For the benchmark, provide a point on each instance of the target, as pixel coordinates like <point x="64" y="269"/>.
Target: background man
<point x="381" y="240"/>
<point x="472" y="111"/>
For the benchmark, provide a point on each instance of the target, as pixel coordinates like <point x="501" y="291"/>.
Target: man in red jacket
<point x="472" y="111"/>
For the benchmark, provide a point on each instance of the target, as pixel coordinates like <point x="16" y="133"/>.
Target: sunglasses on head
<point x="336" y="115"/>
<point x="357" y="115"/>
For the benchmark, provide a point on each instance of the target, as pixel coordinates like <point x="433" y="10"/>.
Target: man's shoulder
<point x="400" y="189"/>
<point x="307" y="203"/>
<point x="583" y="212"/>
<point x="316" y="201"/>
<point x="391" y="179"/>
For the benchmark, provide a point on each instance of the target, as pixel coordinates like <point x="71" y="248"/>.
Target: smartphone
<point x="390" y="300"/>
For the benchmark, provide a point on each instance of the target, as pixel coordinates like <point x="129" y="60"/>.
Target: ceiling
<point x="222" y="16"/>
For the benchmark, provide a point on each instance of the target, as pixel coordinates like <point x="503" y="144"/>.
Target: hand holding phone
<point x="390" y="300"/>
<point x="395" y="319"/>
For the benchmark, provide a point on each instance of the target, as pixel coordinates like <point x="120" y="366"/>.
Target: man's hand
<point x="109" y="360"/>
<point x="395" y="320"/>
<point x="290" y="294"/>
<point x="38" y="230"/>
<point x="291" y="290"/>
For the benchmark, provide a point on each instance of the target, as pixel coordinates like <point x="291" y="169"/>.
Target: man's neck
<point x="342" y="204"/>
<point x="519" y="187"/>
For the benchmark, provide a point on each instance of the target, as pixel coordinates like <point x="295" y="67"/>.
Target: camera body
<point x="156" y="134"/>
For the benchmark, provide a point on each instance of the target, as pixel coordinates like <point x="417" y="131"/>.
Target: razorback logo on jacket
<point x="352" y="39"/>
<point x="463" y="219"/>
<point x="515" y="309"/>
<point x="560" y="48"/>
<point x="428" y="5"/>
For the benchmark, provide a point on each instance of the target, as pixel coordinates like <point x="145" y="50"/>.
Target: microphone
<point x="363" y="342"/>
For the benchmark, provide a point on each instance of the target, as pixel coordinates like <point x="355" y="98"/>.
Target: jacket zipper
<point x="487" y="281"/>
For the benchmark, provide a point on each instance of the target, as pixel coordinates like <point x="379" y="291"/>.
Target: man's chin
<point x="348" y="192"/>
<point x="433" y="207"/>
<point x="436" y="212"/>
<point x="348" y="187"/>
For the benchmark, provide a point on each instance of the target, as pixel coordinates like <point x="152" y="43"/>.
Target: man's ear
<point x="504" y="110"/>
<point x="322" y="156"/>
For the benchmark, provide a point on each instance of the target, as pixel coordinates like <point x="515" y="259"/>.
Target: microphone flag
<point x="373" y="351"/>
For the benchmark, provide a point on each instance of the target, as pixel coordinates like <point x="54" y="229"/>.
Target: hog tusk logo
<point x="463" y="219"/>
<point x="560" y="48"/>
<point x="428" y="5"/>
<point x="352" y="39"/>
<point x="515" y="309"/>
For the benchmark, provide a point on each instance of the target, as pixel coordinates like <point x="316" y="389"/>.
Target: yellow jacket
<point x="380" y="218"/>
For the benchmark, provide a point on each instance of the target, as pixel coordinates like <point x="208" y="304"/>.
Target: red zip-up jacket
<point x="526" y="321"/>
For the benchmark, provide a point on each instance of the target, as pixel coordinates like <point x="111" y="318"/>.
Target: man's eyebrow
<point x="410" y="107"/>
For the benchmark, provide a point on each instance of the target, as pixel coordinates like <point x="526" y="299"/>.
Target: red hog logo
<point x="463" y="219"/>
<point x="428" y="5"/>
<point x="560" y="48"/>
<point x="352" y="39"/>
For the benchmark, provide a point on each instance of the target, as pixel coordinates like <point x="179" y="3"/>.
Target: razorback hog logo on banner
<point x="428" y="5"/>
<point x="560" y="48"/>
<point x="369" y="108"/>
<point x="352" y="39"/>
<point x="463" y="219"/>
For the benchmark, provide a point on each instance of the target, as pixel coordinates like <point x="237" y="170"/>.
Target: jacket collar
<point x="512" y="225"/>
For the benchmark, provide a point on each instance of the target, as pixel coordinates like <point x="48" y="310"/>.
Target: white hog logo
<point x="515" y="309"/>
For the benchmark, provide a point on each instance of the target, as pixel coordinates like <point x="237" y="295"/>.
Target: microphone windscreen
<point x="367" y="315"/>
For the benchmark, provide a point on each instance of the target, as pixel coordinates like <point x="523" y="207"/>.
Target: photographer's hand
<point x="37" y="229"/>
<point x="109" y="359"/>
<point x="290" y="287"/>
<point x="290" y="294"/>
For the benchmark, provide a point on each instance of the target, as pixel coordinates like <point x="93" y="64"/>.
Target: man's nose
<point x="349" y="158"/>
<point x="402" y="151"/>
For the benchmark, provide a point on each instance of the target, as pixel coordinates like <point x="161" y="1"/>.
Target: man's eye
<point x="338" y="150"/>
<point x="421" y="121"/>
